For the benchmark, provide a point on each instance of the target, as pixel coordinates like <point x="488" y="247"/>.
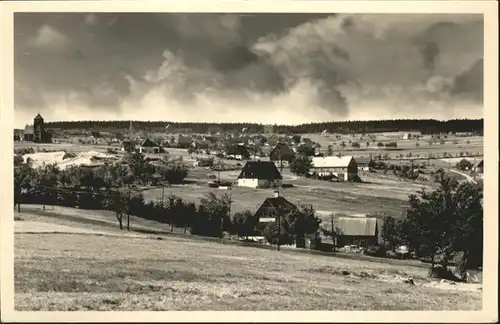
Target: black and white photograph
<point x="248" y="161"/>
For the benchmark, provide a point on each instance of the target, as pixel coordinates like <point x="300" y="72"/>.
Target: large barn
<point x="344" y="168"/>
<point x="260" y="174"/>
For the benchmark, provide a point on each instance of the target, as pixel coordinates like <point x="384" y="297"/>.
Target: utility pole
<point x="279" y="230"/>
<point x="163" y="194"/>
<point x="229" y="215"/>
<point x="334" y="237"/>
<point x="128" y="210"/>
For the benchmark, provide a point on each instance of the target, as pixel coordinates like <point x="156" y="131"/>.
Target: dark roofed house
<point x="260" y="174"/>
<point x="282" y="154"/>
<point x="148" y="146"/>
<point x="478" y="166"/>
<point x="277" y="203"/>
<point x="271" y="208"/>
<point x="238" y="152"/>
<point x="364" y="163"/>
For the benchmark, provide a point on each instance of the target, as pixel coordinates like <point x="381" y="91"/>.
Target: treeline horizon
<point x="425" y="126"/>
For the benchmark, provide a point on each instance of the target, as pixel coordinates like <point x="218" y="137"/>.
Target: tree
<point x="391" y="231"/>
<point x="446" y="221"/>
<point x="464" y="165"/>
<point x="355" y="145"/>
<point x="302" y="222"/>
<point x="216" y="214"/>
<point x="116" y="201"/>
<point x="244" y="223"/>
<point x="301" y="165"/>
<point x="333" y="231"/>
<point x="469" y="226"/>
<point x="330" y="150"/>
<point x="306" y="150"/>
<point x="296" y="139"/>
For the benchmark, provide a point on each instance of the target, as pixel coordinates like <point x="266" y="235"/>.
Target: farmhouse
<point x="344" y="168"/>
<point x="271" y="208"/>
<point x="478" y="166"/>
<point x="359" y="231"/>
<point x="260" y="174"/>
<point x="148" y="146"/>
<point x="282" y="154"/>
<point x="364" y="163"/>
<point x="272" y="205"/>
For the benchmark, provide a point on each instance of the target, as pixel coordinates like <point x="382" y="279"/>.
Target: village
<point x="262" y="173"/>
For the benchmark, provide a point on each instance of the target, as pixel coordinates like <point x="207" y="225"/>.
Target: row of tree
<point x="111" y="187"/>
<point x="442" y="224"/>
<point x="425" y="126"/>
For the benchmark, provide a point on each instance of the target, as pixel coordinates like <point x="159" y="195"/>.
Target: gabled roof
<point x="265" y="170"/>
<point x="479" y="163"/>
<point x="356" y="226"/>
<point x="363" y="160"/>
<point x="283" y="150"/>
<point x="148" y="143"/>
<point x="331" y="161"/>
<point x="28" y="129"/>
<point x="38" y="116"/>
<point x="275" y="204"/>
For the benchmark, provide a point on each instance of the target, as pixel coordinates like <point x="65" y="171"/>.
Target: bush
<point x="18" y="160"/>
<point x="69" y="155"/>
<point x="376" y="251"/>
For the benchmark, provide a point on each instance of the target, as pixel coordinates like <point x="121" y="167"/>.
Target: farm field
<point x="380" y="193"/>
<point x="96" y="269"/>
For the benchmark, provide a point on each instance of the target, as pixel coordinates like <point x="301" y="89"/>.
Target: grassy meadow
<point x="100" y="268"/>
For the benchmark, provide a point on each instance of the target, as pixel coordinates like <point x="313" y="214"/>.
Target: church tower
<point x="38" y="129"/>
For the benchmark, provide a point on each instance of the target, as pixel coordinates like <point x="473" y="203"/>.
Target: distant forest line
<point x="425" y="126"/>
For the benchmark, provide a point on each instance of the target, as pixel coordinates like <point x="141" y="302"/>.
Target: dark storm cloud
<point x="102" y="60"/>
<point x="469" y="83"/>
<point x="100" y="48"/>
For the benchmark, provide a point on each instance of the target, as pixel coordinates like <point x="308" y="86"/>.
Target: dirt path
<point x="468" y="177"/>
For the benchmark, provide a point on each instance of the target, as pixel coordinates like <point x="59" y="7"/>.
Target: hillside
<point x="93" y="267"/>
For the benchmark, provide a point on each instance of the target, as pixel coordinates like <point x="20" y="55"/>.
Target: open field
<point x="380" y="193"/>
<point x="84" y="271"/>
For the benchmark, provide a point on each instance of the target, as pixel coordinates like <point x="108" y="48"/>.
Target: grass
<point x="380" y="194"/>
<point x="87" y="272"/>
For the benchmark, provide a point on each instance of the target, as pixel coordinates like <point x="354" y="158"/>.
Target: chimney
<point x="276" y="193"/>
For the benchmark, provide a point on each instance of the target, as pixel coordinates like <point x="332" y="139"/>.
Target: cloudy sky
<point x="284" y="68"/>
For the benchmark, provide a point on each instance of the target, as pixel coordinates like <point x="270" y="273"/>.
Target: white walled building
<point x="344" y="168"/>
<point x="260" y="174"/>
